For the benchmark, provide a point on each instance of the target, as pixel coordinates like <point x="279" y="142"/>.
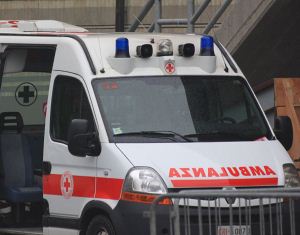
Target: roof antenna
<point x="102" y="70"/>
<point x="225" y="65"/>
<point x="216" y="37"/>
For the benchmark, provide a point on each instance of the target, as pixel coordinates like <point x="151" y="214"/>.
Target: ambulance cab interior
<point x="24" y="79"/>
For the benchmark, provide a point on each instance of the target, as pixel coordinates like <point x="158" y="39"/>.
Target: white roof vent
<point x="39" y="26"/>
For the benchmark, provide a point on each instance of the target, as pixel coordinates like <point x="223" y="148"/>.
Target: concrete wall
<point x="244" y="16"/>
<point x="177" y="9"/>
<point x="99" y="15"/>
<point x="92" y="14"/>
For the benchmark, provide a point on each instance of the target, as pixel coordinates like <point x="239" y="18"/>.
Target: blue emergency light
<point x="122" y="48"/>
<point x="207" y="46"/>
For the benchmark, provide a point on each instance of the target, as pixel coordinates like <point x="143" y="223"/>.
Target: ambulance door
<point x="70" y="181"/>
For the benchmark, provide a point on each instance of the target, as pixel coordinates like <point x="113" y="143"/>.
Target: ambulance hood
<point x="212" y="165"/>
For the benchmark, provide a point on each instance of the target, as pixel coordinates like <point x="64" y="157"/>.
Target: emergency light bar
<point x="125" y="64"/>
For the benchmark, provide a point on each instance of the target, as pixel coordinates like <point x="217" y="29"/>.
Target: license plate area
<point x="236" y="230"/>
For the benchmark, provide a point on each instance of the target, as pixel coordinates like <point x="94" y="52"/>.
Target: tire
<point x="100" y="225"/>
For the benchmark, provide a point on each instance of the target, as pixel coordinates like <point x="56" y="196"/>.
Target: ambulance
<point x="93" y="127"/>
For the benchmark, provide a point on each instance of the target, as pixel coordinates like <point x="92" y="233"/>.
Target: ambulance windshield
<point x="179" y="109"/>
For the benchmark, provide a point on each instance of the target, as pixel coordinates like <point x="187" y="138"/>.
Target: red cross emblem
<point x="170" y="67"/>
<point x="67" y="185"/>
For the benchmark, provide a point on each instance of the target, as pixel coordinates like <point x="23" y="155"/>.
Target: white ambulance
<point x="95" y="126"/>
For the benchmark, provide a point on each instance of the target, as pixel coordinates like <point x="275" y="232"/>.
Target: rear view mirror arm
<point x="94" y="145"/>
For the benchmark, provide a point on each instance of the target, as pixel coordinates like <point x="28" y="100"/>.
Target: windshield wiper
<point x="156" y="134"/>
<point x="215" y="134"/>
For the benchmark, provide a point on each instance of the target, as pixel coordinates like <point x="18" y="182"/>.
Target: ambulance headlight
<point x="291" y="175"/>
<point x="144" y="180"/>
<point x="165" y="48"/>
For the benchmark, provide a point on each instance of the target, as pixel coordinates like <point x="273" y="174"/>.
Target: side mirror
<point x="81" y="142"/>
<point x="283" y="129"/>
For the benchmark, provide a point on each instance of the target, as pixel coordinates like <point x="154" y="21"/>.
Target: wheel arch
<point x="94" y="208"/>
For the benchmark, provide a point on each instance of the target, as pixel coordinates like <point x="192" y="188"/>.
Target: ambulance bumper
<point x="135" y="221"/>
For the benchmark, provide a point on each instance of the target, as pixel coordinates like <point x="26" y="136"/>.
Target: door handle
<point x="47" y="167"/>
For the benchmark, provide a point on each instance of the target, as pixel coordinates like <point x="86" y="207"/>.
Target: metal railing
<point x="227" y="212"/>
<point x="192" y="16"/>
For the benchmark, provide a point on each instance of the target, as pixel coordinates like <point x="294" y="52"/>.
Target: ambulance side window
<point x="69" y="101"/>
<point x="25" y="78"/>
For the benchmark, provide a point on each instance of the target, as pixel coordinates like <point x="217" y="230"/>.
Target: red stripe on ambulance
<point x="51" y="184"/>
<point x="219" y="177"/>
<point x="221" y="172"/>
<point x="225" y="183"/>
<point x="109" y="188"/>
<point x="84" y="186"/>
